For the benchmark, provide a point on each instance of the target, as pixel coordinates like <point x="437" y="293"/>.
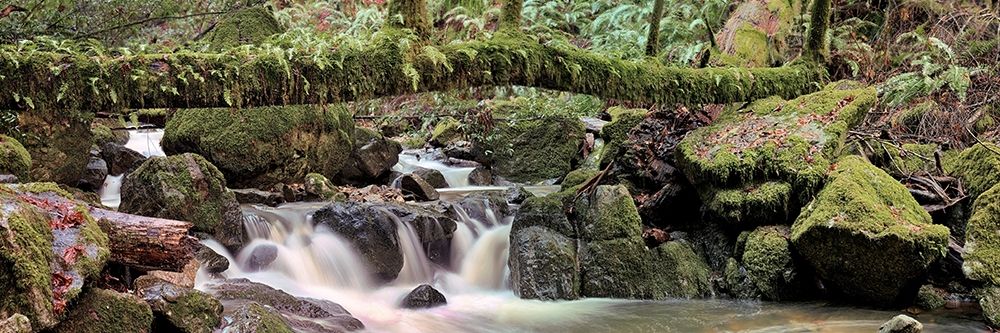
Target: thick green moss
<point x="446" y="131"/>
<point x="911" y="159"/>
<point x="982" y="242"/>
<point x="182" y="187"/>
<point x="538" y="149"/>
<point x="247" y="26"/>
<point x="410" y="14"/>
<point x="615" y="133"/>
<point x="747" y="40"/>
<point x="793" y="141"/>
<point x="864" y="216"/>
<point x="625" y="268"/>
<point x="989" y="301"/>
<point x="259" y="146"/>
<point x="101" y="310"/>
<point x="545" y="212"/>
<point x="978" y="167"/>
<point x="14" y="159"/>
<point x="769" y="264"/>
<point x="765" y="203"/>
<point x="929" y="298"/>
<point x="577" y="177"/>
<point x="25" y="254"/>
<point x="609" y="214"/>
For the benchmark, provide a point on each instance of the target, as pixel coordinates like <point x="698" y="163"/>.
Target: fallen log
<point x="146" y="243"/>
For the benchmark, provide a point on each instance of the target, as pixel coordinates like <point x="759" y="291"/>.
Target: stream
<point x="314" y="262"/>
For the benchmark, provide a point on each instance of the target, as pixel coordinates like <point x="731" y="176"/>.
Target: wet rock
<point x="864" y="216"/>
<point x="577" y="178"/>
<point x="423" y="297"/>
<point x="59" y="144"/>
<point x="543" y="263"/>
<point x="103" y="133"/>
<point x="416" y="186"/>
<point x="16" y="323"/>
<point x="49" y="252"/>
<point x="262" y="256"/>
<point x="545" y="148"/>
<point x="487" y="207"/>
<point x="930" y="298"/>
<point x="770" y="267"/>
<point x="14" y="159"/>
<point x="120" y="159"/>
<point x="292" y="192"/>
<point x="212" y="262"/>
<point x="255" y="307"/>
<point x="517" y="194"/>
<point x="481" y="176"/>
<point x="179" y="309"/>
<point x="615" y="133"/>
<point x="901" y="324"/>
<point x="464" y="151"/>
<point x="546" y="212"/>
<point x="8" y="179"/>
<point x="185" y="187"/>
<point x="93" y="176"/>
<point x="736" y="282"/>
<point x="989" y="301"/>
<point x="101" y="310"/>
<point x="370" y="230"/>
<point x="432" y="225"/>
<point x="255" y="196"/>
<point x="262" y="146"/>
<point x="371" y="160"/>
<point x="433" y="177"/>
<point x="319" y="187"/>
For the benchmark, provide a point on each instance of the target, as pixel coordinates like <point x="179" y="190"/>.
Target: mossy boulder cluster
<point x="260" y="146"/>
<point x="600" y="254"/>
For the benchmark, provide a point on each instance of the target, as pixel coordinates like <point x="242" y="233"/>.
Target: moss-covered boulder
<point x="319" y="187"/>
<point x="930" y="298"/>
<point x="255" y="307"/>
<point x="49" y="247"/>
<point x="904" y="160"/>
<point x="543" y="264"/>
<point x="775" y="140"/>
<point x="977" y="166"/>
<point x="615" y="133"/>
<point x="576" y="178"/>
<point x="179" y="309"/>
<point x="259" y="146"/>
<point x="989" y="301"/>
<point x="982" y="241"/>
<point x="14" y="159"/>
<point x="103" y="133"/>
<point x="537" y="149"/>
<point x="59" y="144"/>
<point x="182" y="187"/>
<point x="752" y="204"/>
<point x="607" y="215"/>
<point x="101" y="310"/>
<point x="242" y="27"/>
<point x="866" y="236"/>
<point x="770" y="266"/>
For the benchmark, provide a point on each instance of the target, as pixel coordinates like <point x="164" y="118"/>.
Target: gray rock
<point x="901" y="324"/>
<point x="370" y="230"/>
<point x="120" y="159"/>
<point x="543" y="264"/>
<point x="416" y="186"/>
<point x="255" y="196"/>
<point x="93" y="176"/>
<point x="179" y="309"/>
<point x="433" y="177"/>
<point x="17" y="323"/>
<point x="8" y="179"/>
<point x="481" y="176"/>
<point x="371" y="160"/>
<point x="422" y="297"/>
<point x="212" y="262"/>
<point x="262" y="256"/>
<point x="252" y="307"/>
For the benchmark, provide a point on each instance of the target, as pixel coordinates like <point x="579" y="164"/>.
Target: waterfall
<point x="110" y="192"/>
<point x="455" y="177"/>
<point x="145" y="141"/>
<point x="485" y="265"/>
<point x="416" y="267"/>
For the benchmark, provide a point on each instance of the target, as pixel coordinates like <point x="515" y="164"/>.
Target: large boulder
<point x="982" y="242"/>
<point x="866" y="236"/>
<point x="538" y="149"/>
<point x="184" y="187"/>
<point x="120" y="159"/>
<point x="543" y="264"/>
<point x="14" y="159"/>
<point x="977" y="166"/>
<point x="48" y="251"/>
<point x="255" y="307"/>
<point x="59" y="143"/>
<point x="179" y="309"/>
<point x="422" y="297"/>
<point x="371" y="231"/>
<point x="259" y="146"/>
<point x="371" y="159"/>
<point x="101" y="310"/>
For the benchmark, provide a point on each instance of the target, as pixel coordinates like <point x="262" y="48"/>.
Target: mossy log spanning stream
<point x="397" y="61"/>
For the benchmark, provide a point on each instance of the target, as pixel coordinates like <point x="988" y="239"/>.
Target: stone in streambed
<point x="210" y="260"/>
<point x="769" y="264"/>
<point x="179" y="309"/>
<point x="543" y="264"/>
<point x="481" y="176"/>
<point x="262" y="256"/>
<point x="101" y="310"/>
<point x="255" y="196"/>
<point x="317" y="186"/>
<point x="418" y="187"/>
<point x="982" y="243"/>
<point x="371" y="160"/>
<point x="93" y="176"/>
<point x="901" y="324"/>
<point x="433" y="177"/>
<point x="255" y="307"/>
<point x="423" y="297"/>
<point x="120" y="159"/>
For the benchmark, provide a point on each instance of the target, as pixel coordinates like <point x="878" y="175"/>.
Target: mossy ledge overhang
<point x="393" y="63"/>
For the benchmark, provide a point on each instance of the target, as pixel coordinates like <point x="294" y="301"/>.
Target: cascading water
<point x="145" y="141"/>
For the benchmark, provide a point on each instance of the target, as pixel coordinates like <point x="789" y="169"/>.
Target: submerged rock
<point x="185" y="187"/>
<point x="422" y="297"/>
<point x="255" y="307"/>
<point x="262" y="256"/>
<point x="866" y="236"/>
<point x="14" y="159"/>
<point x="260" y="146"/>
<point x="416" y="186"/>
<point x="982" y="242"/>
<point x="901" y="324"/>
<point x="101" y="310"/>
<point x="179" y="309"/>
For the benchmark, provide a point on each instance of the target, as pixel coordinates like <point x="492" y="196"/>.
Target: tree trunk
<point x="147" y="243"/>
<point x="653" y="39"/>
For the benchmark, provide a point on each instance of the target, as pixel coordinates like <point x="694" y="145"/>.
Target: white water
<point x="144" y="141"/>
<point x="455" y="177"/>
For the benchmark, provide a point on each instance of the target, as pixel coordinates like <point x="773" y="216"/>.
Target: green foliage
<point x="936" y="67"/>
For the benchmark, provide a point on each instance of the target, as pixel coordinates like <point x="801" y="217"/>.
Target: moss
<point x="793" y="141"/>
<point x="545" y="212"/>
<point x="447" y="131"/>
<point x="260" y="146"/>
<point x="182" y="187"/>
<point x="625" y="268"/>
<point x="195" y="311"/>
<point x="737" y="283"/>
<point x="817" y="44"/>
<point x="577" y="177"/>
<point x="912" y="117"/>
<point x="615" y="133"/>
<point x="102" y="134"/>
<point x="905" y="160"/>
<point x="59" y="143"/>
<point x="865" y="216"/>
<point x="410" y="14"/>
<point x="101" y="310"/>
<point x="989" y="301"/>
<point x="246" y="26"/>
<point x="978" y="167"/>
<point x="319" y="186"/>
<point x="987" y="123"/>
<point x="538" y="149"/>
<point x="747" y="40"/>
<point x="982" y="243"/>
<point x="14" y="159"/>
<point x="765" y="203"/>
<point x="769" y="264"/>
<point x="25" y="254"/>
<point x="543" y="264"/>
<point x="254" y="317"/>
<point x="609" y="214"/>
<point x="929" y="298"/>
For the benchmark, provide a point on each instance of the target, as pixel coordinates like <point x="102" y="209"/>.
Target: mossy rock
<point x="256" y="318"/>
<point x="793" y="141"/>
<point x="101" y="129"/>
<point x="770" y="266"/>
<point x="609" y="214"/>
<point x="180" y="309"/>
<point x="625" y="268"/>
<point x="182" y="187"/>
<point x="546" y="212"/>
<point x="245" y="26"/>
<point x="49" y="247"/>
<point x="14" y="159"/>
<point x="538" y="149"/>
<point x="982" y="242"/>
<point x="577" y="177"/>
<point x="615" y="133"/>
<point x="543" y="264"/>
<point x="736" y="281"/>
<point x="911" y="117"/>
<point x="906" y="159"/>
<point x="866" y="236"/>
<point x="254" y="307"/>
<point x="101" y="310"/>
<point x="259" y="146"/>
<point x="977" y="166"/>
<point x="59" y="144"/>
<point x="320" y="187"/>
<point x="930" y="298"/>
<point x="989" y="301"/>
<point x="16" y="323"/>
<point x="752" y="204"/>
<point x="447" y="131"/>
